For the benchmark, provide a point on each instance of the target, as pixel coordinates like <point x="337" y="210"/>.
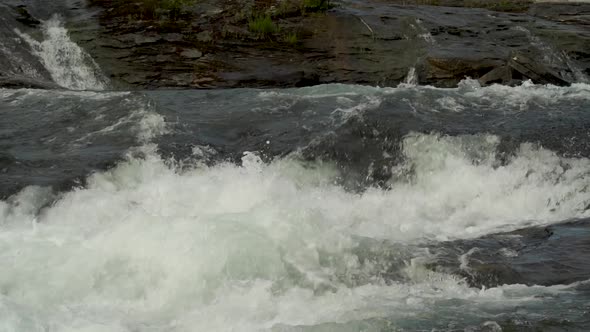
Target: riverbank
<point x="290" y="43"/>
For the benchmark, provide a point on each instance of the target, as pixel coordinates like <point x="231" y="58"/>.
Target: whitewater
<point x="155" y="245"/>
<point x="327" y="208"/>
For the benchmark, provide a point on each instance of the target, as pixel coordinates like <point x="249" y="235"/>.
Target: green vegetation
<point x="148" y="9"/>
<point x="175" y="7"/>
<point x="293" y="8"/>
<point x="288" y="8"/>
<point x="316" y="5"/>
<point x="291" y="38"/>
<point x="270" y="20"/>
<point x="262" y="25"/>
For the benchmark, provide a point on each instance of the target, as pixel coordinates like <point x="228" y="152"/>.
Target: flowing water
<point x="69" y="65"/>
<point x="328" y="208"/>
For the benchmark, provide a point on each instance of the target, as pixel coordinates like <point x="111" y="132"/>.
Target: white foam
<point x="468" y="90"/>
<point x="451" y="104"/>
<point x="321" y="91"/>
<point x="368" y="103"/>
<point x="225" y="248"/>
<point x="69" y="65"/>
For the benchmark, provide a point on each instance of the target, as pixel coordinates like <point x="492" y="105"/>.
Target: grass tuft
<point x="316" y="5"/>
<point x="148" y="9"/>
<point x="262" y="25"/>
<point x="291" y="38"/>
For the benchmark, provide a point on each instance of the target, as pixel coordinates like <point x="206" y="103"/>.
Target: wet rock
<point x="25" y="17"/>
<point x="133" y="39"/>
<point x="173" y="37"/>
<point x="371" y="42"/>
<point x="204" y="36"/>
<point x="6" y="161"/>
<point x="19" y="82"/>
<point x="531" y="256"/>
<point x="191" y="53"/>
<point x="183" y="79"/>
<point x="163" y="58"/>
<point x="276" y="77"/>
<point x="530" y="69"/>
<point x="499" y="75"/>
<point x="450" y="71"/>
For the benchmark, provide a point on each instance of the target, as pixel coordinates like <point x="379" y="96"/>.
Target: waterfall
<point x="554" y="57"/>
<point x="68" y="64"/>
<point x="412" y="77"/>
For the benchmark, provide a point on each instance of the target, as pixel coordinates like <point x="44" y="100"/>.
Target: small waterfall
<point x="69" y="65"/>
<point x="423" y="32"/>
<point x="554" y="57"/>
<point x="412" y="77"/>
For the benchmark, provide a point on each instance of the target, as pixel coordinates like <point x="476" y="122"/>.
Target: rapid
<point x="326" y="208"/>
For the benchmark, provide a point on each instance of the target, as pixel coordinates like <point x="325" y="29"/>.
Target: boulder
<point x="447" y="72"/>
<point x="498" y="75"/>
<point x="191" y="53"/>
<point x="528" y="68"/>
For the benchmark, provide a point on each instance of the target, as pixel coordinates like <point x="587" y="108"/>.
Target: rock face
<point x="531" y="256"/>
<point x="213" y="44"/>
<point x="25" y="17"/>
<point x="17" y="82"/>
<point x="527" y="67"/>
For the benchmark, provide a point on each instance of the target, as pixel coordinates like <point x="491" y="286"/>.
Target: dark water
<point x="329" y="208"/>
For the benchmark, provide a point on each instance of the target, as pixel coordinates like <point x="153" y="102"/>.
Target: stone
<point x="535" y="71"/>
<point x="191" y="53"/>
<point x="182" y="79"/>
<point x="172" y="37"/>
<point x="19" y="82"/>
<point x="448" y="72"/>
<point x="204" y="36"/>
<point x="336" y="47"/>
<point x="499" y="75"/>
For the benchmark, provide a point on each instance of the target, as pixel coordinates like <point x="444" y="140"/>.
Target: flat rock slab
<point x="360" y="42"/>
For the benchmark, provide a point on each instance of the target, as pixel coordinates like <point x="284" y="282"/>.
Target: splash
<point x="554" y="57"/>
<point x="422" y="32"/>
<point x="261" y="247"/>
<point x="154" y="244"/>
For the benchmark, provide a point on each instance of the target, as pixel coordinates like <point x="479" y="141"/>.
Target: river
<point x="327" y="208"/>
